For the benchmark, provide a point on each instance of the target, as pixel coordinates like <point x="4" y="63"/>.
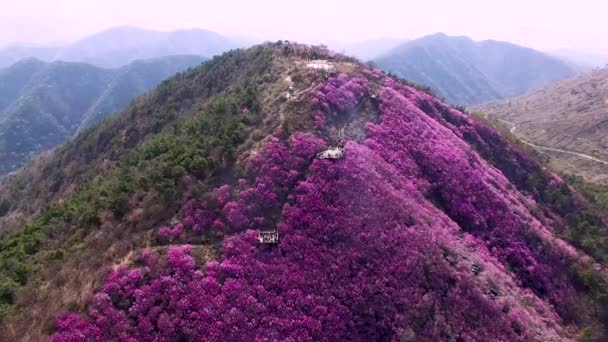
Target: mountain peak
<point x="28" y="61"/>
<point x="393" y="215"/>
<point x="466" y="72"/>
<point x="440" y="36"/>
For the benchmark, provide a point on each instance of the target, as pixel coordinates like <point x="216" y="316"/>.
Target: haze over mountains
<point x="466" y="72"/>
<point x="119" y="46"/>
<point x="570" y="115"/>
<point x="366" y="50"/>
<point x="288" y="192"/>
<point x="422" y="224"/>
<point x="44" y="104"/>
<point x="583" y="59"/>
<point x="461" y="70"/>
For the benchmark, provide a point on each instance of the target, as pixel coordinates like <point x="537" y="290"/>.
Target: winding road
<point x="582" y="155"/>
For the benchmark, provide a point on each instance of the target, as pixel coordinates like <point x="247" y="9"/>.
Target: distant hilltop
<point x="116" y="47"/>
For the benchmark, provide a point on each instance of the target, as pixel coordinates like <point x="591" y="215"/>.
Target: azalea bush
<point x="256" y="202"/>
<point x="344" y="262"/>
<point x="414" y="134"/>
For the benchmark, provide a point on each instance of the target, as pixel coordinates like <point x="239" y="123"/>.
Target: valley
<point x="567" y="119"/>
<point x="544" y="148"/>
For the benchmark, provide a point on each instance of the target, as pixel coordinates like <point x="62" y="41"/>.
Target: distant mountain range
<point x="119" y="46"/>
<point x="223" y="206"/>
<point x="567" y="120"/>
<point x="44" y="104"/>
<point x="466" y="72"/>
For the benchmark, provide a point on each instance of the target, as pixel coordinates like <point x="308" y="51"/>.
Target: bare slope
<point x="567" y="120"/>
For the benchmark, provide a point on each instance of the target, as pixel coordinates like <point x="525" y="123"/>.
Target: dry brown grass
<point x="571" y="115"/>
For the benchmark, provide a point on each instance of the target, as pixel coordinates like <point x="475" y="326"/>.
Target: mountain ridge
<point x="466" y="72"/>
<point x="47" y="103"/>
<point x="119" y="46"/>
<point x="427" y="225"/>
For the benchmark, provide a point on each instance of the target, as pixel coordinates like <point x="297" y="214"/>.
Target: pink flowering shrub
<point x="340" y="94"/>
<point x="455" y="179"/>
<point x="373" y="74"/>
<point x="319" y="119"/>
<point x="335" y="276"/>
<point x="276" y="170"/>
<point x="223" y="194"/>
<point x="166" y="234"/>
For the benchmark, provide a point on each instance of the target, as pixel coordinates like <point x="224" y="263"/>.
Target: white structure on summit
<point x="320" y="65"/>
<point x="270" y="237"/>
<point x="332" y="153"/>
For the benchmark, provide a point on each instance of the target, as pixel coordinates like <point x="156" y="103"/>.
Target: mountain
<point x="567" y="121"/>
<point x="42" y="105"/>
<point x="466" y="72"/>
<point x="398" y="218"/>
<point x="118" y="46"/>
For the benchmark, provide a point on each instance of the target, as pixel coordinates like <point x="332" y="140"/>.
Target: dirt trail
<point x="582" y="155"/>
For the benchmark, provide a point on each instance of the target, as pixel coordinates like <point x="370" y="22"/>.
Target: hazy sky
<point x="543" y="24"/>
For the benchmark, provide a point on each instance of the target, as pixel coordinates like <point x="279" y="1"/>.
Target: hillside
<point x="398" y="218"/>
<point x="134" y="79"/>
<point x="571" y="116"/>
<point x="42" y="105"/>
<point x="466" y="72"/>
<point x="119" y="46"/>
